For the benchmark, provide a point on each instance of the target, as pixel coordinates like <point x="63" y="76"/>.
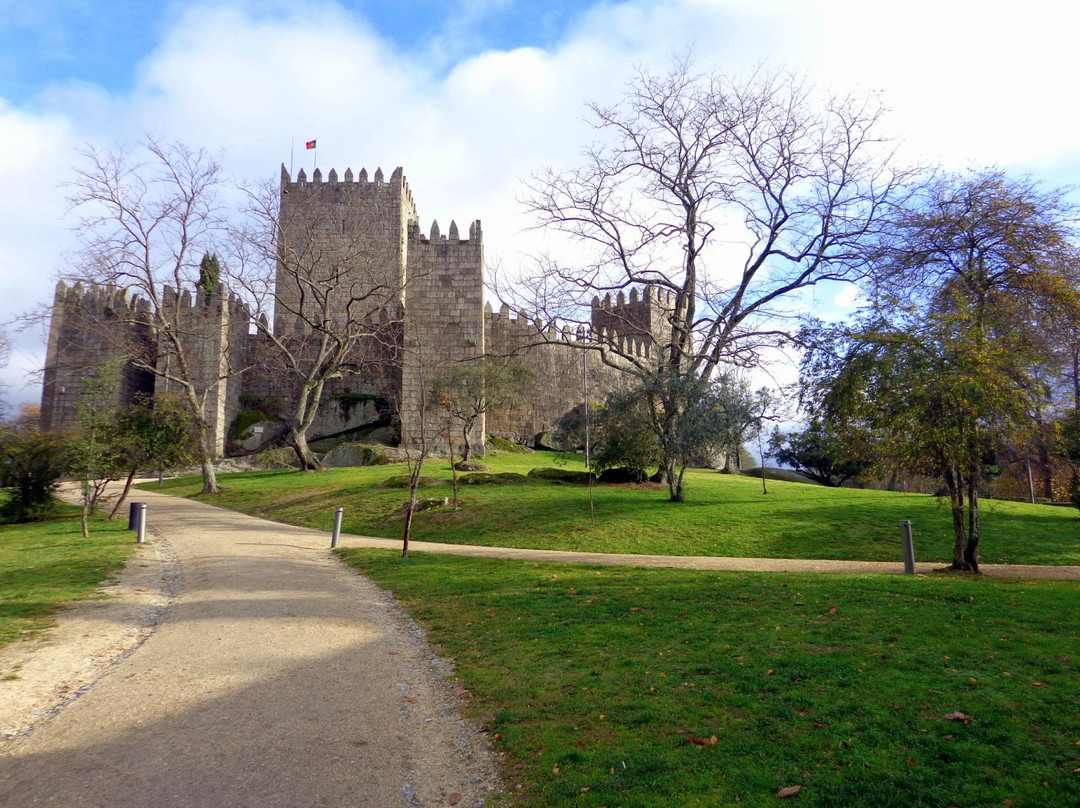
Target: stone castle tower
<point x="360" y="237"/>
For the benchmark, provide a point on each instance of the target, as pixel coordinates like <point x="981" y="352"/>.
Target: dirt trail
<point x="267" y="674"/>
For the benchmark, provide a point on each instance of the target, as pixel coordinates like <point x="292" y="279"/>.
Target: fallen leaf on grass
<point x="704" y="741"/>
<point x="410" y="699"/>
<point x="1037" y="684"/>
<point x="790" y="791"/>
<point x="958" y="716"/>
<point x="832" y="610"/>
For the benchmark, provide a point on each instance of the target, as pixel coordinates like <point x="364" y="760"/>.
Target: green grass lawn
<point x="44" y="564"/>
<point x="725" y="515"/>
<point x="633" y="687"/>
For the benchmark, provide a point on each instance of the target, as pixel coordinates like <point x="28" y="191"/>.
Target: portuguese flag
<point x="310" y="144"/>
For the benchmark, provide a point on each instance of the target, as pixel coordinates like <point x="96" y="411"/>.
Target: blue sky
<point x="47" y="42"/>
<point x="471" y="97"/>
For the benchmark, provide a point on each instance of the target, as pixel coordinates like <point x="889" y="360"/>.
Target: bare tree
<point x="337" y="311"/>
<point x="726" y="196"/>
<point x="147" y="217"/>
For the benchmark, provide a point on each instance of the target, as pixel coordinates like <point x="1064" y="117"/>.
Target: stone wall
<point x="560" y="365"/>
<point x="89" y="328"/>
<point x="444" y="322"/>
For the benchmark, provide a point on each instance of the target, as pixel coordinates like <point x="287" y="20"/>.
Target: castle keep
<point x="360" y="237"/>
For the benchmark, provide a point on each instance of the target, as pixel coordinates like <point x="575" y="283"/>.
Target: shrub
<point x="505" y="478"/>
<point x="504" y="445"/>
<point x="562" y="475"/>
<point x="31" y="462"/>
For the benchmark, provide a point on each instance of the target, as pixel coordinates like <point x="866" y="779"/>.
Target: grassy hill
<point x="724" y="515"/>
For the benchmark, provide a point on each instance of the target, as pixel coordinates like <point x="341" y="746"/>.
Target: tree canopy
<point x="944" y="366"/>
<point x="731" y="195"/>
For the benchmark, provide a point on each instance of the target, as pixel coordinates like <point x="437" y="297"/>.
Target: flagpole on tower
<point x="292" y="154"/>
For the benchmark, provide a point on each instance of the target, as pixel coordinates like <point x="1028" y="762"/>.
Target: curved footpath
<point x="267" y="674"/>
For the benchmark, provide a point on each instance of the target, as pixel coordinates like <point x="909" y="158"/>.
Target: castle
<point x="358" y="233"/>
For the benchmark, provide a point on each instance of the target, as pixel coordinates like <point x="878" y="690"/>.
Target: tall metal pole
<point x="585" y="393"/>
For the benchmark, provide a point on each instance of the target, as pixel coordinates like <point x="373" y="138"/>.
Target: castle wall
<point x="360" y="237"/>
<point x="560" y="372"/>
<point x="91" y="327"/>
<point x="444" y="321"/>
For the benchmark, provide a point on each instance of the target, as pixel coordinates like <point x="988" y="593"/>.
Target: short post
<point x="133" y="515"/>
<point x="140" y="535"/>
<point x="337" y="527"/>
<point x="909" y="547"/>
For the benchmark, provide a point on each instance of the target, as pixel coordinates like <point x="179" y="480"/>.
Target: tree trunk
<point x="307" y="458"/>
<point x="467" y="454"/>
<point x="956" y="502"/>
<point x="408" y="525"/>
<point x="674" y="489"/>
<point x="971" y="551"/>
<point x="453" y="467"/>
<point x="85" y="516"/>
<point x="209" y="475"/>
<point x="307" y="407"/>
<point x="123" y="494"/>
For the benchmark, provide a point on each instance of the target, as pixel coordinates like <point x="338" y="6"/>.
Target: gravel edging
<point x="55" y="668"/>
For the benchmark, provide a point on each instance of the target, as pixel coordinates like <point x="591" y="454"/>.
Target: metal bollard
<point x="909" y="547"/>
<point x="133" y="515"/>
<point x="337" y="527"/>
<point x="140" y="536"/>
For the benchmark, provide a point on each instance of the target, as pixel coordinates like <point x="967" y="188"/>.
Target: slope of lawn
<point x="725" y="515"/>
<point x="633" y="687"/>
<point x="44" y="564"/>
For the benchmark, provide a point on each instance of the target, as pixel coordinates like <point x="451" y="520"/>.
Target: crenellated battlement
<point x="628" y="321"/>
<point x="215" y="302"/>
<point x="436" y="236"/>
<point x="100" y="301"/>
<point x="523" y="329"/>
<point x="348" y="182"/>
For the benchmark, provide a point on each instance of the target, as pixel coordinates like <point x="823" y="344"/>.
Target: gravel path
<point x="267" y="674"/>
<point x="1067" y="573"/>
